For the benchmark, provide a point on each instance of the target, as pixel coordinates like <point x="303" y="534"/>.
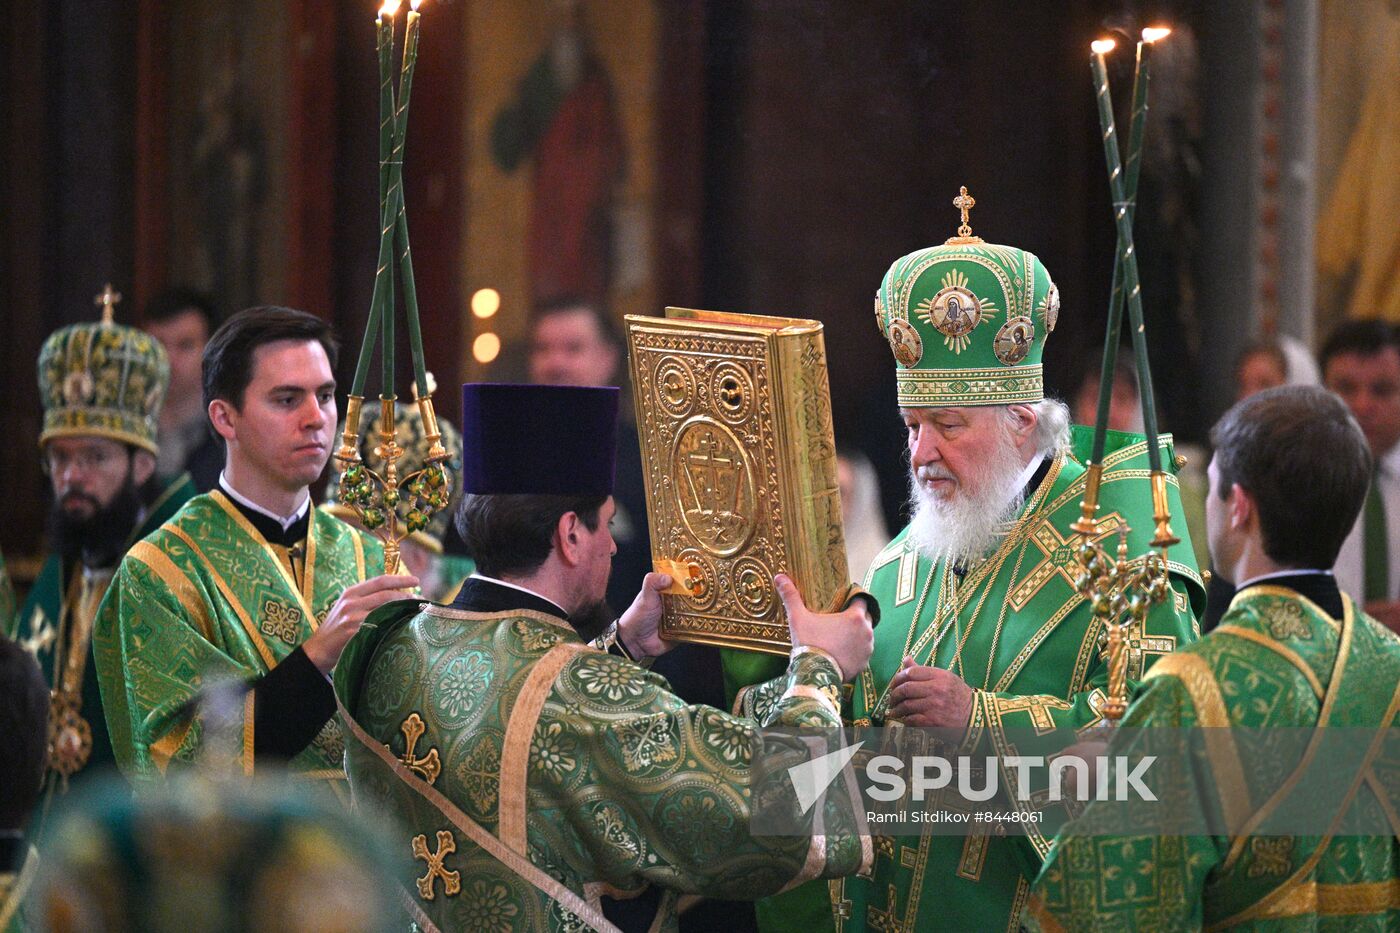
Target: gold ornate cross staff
<point x="390" y="506"/>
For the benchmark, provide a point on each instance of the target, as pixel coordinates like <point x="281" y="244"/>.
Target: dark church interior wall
<point x="805" y="145"/>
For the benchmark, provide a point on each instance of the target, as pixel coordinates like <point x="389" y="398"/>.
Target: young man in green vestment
<point x="102" y="386"/>
<point x="533" y="773"/>
<point x="1293" y="653"/>
<point x="246" y="583"/>
<point x="982" y="629"/>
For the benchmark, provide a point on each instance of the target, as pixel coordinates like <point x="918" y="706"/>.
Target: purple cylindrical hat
<point x="538" y="440"/>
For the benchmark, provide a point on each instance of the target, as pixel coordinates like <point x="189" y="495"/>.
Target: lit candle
<point x="410" y="290"/>
<point x="1112" y="335"/>
<point x="384" y="46"/>
<point x="384" y="273"/>
<point x="1127" y="255"/>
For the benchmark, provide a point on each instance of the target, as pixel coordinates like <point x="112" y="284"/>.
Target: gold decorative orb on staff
<point x="389" y="505"/>
<point x="1122" y="591"/>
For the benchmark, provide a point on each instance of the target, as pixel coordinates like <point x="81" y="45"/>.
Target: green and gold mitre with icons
<point x="414" y="440"/>
<point x="967" y="321"/>
<point x="103" y="379"/>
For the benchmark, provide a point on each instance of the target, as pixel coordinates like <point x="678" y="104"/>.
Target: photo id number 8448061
<point x="1007" y="816"/>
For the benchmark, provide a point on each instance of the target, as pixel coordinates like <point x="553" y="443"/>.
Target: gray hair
<point x="1051" y="425"/>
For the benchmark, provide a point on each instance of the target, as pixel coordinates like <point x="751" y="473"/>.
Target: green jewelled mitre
<point x="967" y="322"/>
<point x="103" y="379"/>
<point x="414" y="441"/>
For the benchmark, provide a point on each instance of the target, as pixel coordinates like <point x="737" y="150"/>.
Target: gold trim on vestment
<point x="1283" y="651"/>
<point x="447" y="612"/>
<point x="515" y="750"/>
<point x="808" y="692"/>
<point x="1338" y="900"/>
<point x="1324" y="716"/>
<point x="1293" y="894"/>
<point x="248" y="722"/>
<point x="308" y="569"/>
<point x="812" y="865"/>
<point x="178" y="582"/>
<point x="1268" y="589"/>
<point x="1383" y="799"/>
<point x="359" y="555"/>
<point x="227" y="593"/>
<point x="549" y="886"/>
<point x="164" y="748"/>
<point x="1018" y="904"/>
<point x="252" y="532"/>
<point x="1196" y="676"/>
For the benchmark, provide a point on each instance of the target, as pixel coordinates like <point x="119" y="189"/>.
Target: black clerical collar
<point x="1042" y="470"/>
<point x="267" y="526"/>
<point x="1319" y="586"/>
<point x="481" y="594"/>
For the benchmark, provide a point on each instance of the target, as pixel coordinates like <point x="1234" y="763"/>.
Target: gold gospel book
<point x="734" y="419"/>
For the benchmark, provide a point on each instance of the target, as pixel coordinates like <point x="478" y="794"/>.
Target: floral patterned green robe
<point x="1275" y="662"/>
<point x="573" y="764"/>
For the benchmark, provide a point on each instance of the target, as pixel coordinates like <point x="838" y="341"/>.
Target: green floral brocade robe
<point x="1275" y="661"/>
<point x="1026" y="642"/>
<point x="56" y="625"/>
<point x="513" y="748"/>
<point x="203" y="599"/>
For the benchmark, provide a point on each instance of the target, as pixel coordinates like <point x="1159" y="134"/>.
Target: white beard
<point x="967" y="525"/>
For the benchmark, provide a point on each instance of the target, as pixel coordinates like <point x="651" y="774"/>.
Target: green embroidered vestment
<point x="203" y="599"/>
<point x="1276" y="661"/>
<point x="56" y="624"/>
<point x="1015" y="630"/>
<point x="504" y="730"/>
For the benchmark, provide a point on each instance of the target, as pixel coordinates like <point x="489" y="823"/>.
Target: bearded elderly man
<point x="983" y="631"/>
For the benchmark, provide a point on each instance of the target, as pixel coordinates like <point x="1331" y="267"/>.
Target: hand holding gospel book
<point x="734" y="420"/>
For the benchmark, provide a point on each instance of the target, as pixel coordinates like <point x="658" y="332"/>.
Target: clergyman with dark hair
<point x="1361" y="363"/>
<point x="182" y="320"/>
<point x="24" y="716"/>
<point x="573" y="342"/>
<point x="549" y="768"/>
<point x="1293" y="654"/>
<point x="248" y="583"/>
<point x="102" y="385"/>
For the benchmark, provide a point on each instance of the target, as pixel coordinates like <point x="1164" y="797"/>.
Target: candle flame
<point x="414" y="4"/>
<point x="1154" y="33"/>
<point x="390" y="9"/>
<point x="1102" y="46"/>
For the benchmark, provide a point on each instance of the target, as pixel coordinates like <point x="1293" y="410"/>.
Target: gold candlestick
<point x="1121" y="593"/>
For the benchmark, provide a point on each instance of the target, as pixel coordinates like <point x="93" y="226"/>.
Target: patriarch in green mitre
<point x="983" y="631"/>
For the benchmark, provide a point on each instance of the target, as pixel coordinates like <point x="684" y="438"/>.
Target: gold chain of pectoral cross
<point x="947" y="614"/>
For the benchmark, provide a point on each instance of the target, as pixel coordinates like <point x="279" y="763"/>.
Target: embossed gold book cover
<point x="734" y="417"/>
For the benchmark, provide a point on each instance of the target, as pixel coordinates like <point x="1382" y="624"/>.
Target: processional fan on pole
<point x="389" y="505"/>
<point x="1121" y="591"/>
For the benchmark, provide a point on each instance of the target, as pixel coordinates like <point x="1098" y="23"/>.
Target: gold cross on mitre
<point x="107" y="300"/>
<point x="964" y="202"/>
